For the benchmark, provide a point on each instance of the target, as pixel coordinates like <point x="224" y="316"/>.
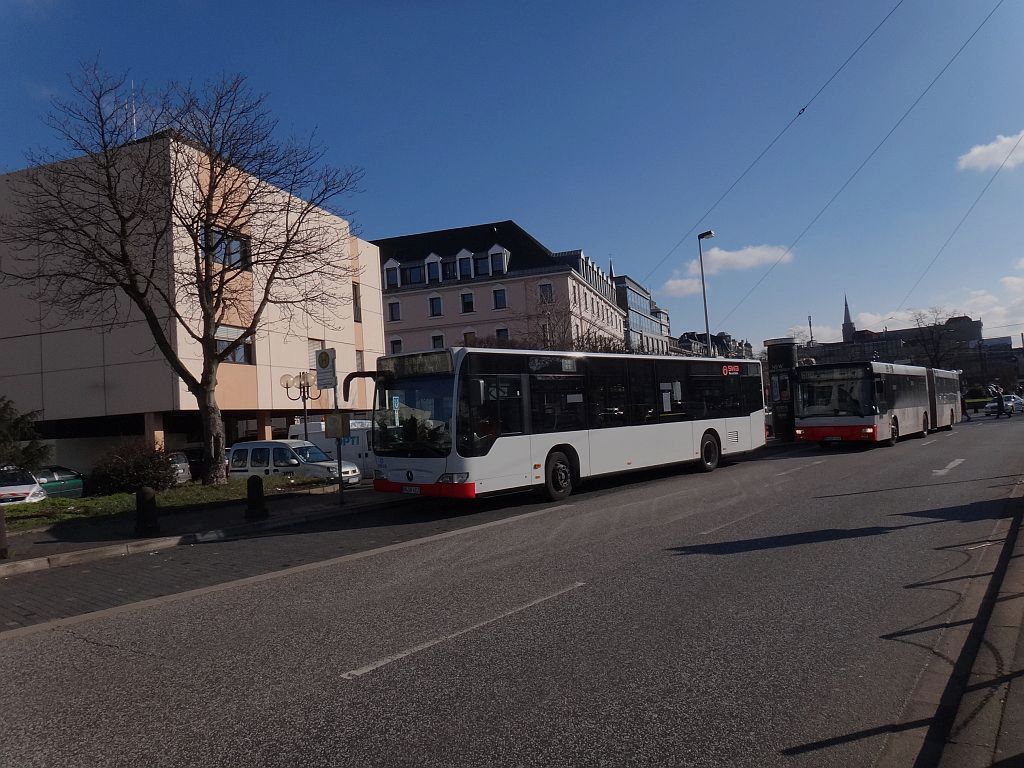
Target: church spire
<point x="848" y="327"/>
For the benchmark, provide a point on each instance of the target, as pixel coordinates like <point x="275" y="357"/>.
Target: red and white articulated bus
<point x="873" y="402"/>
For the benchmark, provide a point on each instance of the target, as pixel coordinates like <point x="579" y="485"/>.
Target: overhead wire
<point x="770" y="144"/>
<point x="863" y="163"/>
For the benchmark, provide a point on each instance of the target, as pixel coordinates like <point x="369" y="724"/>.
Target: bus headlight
<point x="799" y="431"/>
<point x="454" y="477"/>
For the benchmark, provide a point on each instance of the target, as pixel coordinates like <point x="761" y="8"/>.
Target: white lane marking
<point x="270" y="576"/>
<point x="731" y="522"/>
<point x="803" y="466"/>
<point x="929" y="442"/>
<point x="354" y="673"/>
<point x="944" y="471"/>
<point x="989" y="544"/>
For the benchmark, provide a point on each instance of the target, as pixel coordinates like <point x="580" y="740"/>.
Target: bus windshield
<point x="413" y="416"/>
<point x="835" y="392"/>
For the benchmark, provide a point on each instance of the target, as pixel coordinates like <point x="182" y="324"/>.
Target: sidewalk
<point x="989" y="726"/>
<point x="76" y="541"/>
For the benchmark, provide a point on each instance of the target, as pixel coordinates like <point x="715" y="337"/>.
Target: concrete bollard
<point x="256" y="503"/>
<point x="146" y="521"/>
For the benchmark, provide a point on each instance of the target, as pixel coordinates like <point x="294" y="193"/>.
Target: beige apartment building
<point x="492" y="284"/>
<point x="94" y="383"/>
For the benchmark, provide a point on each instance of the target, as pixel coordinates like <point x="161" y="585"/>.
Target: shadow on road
<point x="939" y="728"/>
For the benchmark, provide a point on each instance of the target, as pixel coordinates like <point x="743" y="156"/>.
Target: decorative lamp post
<point x="703" y="289"/>
<point x="302" y="381"/>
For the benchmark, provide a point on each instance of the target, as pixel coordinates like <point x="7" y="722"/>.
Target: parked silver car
<point x="181" y="466"/>
<point x="1012" y="404"/>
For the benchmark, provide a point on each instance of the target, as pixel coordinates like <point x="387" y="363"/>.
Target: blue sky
<point x="612" y="127"/>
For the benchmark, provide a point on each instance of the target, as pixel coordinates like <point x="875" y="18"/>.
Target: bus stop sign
<point x="326" y="375"/>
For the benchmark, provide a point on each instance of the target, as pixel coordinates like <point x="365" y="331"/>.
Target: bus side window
<point x="880" y="399"/>
<point x="643" y="393"/>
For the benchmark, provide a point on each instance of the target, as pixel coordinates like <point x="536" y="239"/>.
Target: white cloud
<point x="717" y="260"/>
<point x="1013" y="283"/>
<point x="1019" y="264"/>
<point x="681" y="286"/>
<point x="983" y="157"/>
<point x="979" y="301"/>
<point x="874" y="321"/>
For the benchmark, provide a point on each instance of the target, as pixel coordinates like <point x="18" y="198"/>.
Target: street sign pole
<point x="337" y="453"/>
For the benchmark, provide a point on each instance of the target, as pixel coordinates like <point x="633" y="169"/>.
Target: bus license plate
<point x="833" y="438"/>
<point x="413" y="489"/>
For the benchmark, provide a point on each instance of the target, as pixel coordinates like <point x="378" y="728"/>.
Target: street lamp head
<point x="287" y="381"/>
<point x="706" y="235"/>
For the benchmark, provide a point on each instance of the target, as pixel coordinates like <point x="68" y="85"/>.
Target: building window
<point x="228" y="249"/>
<point x="499" y="298"/>
<point x="357" y="308"/>
<point x="501" y="334"/>
<point x="481" y="263"/>
<point x="391" y="277"/>
<point x="465" y="268"/>
<point x="242" y="354"/>
<point x="469" y="338"/>
<point x="434" y="303"/>
<point x="412" y="275"/>
<point x="394" y="310"/>
<point x="437" y="342"/>
<point x="448" y="270"/>
<point x="396" y="346"/>
<point x="497" y="263"/>
<point x="312" y="347"/>
<point x="547" y="293"/>
<point x="360" y="363"/>
<point x="433" y="272"/>
<point x="544" y="332"/>
<point x="467" y="302"/>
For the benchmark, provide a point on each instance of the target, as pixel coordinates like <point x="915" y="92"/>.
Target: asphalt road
<point x="779" y="611"/>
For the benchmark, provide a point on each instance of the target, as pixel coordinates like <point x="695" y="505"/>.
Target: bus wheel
<point x="894" y="433"/>
<point x="709" y="452"/>
<point x="558" y="476"/>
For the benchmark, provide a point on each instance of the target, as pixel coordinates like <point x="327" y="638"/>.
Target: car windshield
<point x="9" y="477"/>
<point x="310" y="454"/>
<point x="834" y="392"/>
<point x="413" y="416"/>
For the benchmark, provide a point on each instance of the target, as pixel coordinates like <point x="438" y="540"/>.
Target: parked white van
<point x="287" y="457"/>
<point x="354" y="448"/>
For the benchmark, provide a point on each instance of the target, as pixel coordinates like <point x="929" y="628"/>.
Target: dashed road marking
<point x="802" y="466"/>
<point x="929" y="442"/>
<point x="360" y="671"/>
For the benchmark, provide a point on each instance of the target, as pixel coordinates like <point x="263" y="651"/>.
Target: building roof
<point x="524" y="249"/>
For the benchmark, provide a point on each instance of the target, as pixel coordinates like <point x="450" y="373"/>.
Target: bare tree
<point x="208" y="226"/>
<point x="933" y="338"/>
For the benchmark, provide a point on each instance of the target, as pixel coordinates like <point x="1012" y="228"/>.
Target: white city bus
<point x="873" y="402"/>
<point x="463" y="423"/>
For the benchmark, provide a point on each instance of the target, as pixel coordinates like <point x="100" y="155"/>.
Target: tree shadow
<point x="967" y="513"/>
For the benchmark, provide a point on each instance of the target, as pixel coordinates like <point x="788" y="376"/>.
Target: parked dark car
<point x="61" y="482"/>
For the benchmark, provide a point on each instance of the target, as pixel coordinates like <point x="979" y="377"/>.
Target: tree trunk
<point x="214" y="469"/>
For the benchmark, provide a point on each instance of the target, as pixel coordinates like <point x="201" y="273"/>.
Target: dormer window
<point x="448" y="270"/>
<point x="498" y="263"/>
<point x="482" y="265"/>
<point x="391" y="277"/>
<point x="466" y="268"/>
<point x="433" y="271"/>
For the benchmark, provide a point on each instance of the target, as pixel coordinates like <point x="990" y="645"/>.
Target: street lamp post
<point x="703" y="289"/>
<point x="301" y="380"/>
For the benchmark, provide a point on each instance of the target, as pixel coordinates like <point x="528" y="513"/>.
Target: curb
<point x="138" y="546"/>
<point x="978" y="725"/>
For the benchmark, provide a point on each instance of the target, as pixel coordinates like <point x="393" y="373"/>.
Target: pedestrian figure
<point x="963" y="407"/>
<point x="1000" y="403"/>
